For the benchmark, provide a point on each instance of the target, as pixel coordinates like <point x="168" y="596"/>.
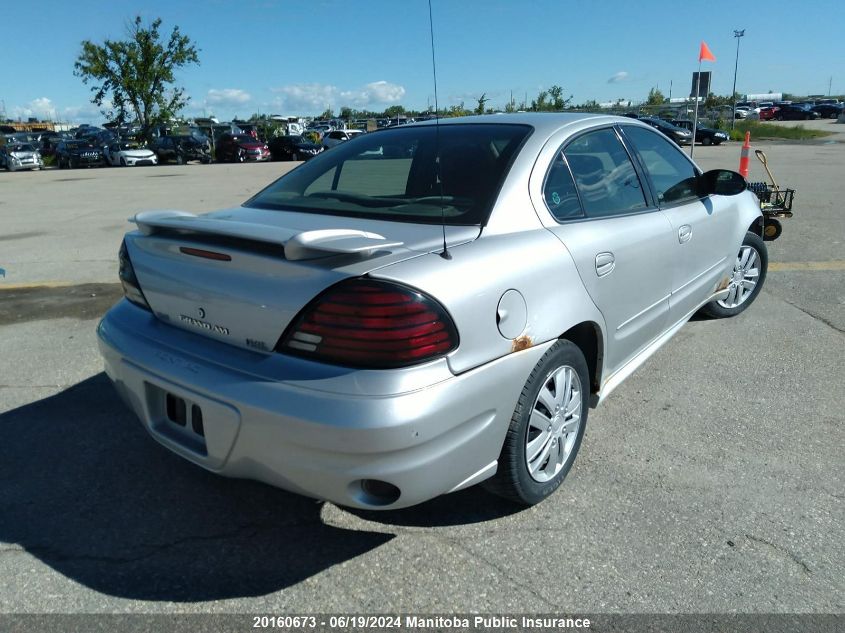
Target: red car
<point x="240" y="148"/>
<point x="768" y="114"/>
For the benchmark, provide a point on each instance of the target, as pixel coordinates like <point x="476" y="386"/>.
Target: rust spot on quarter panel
<point x="723" y="284"/>
<point x="521" y="342"/>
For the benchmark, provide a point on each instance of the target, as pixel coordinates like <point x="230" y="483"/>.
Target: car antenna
<point x="445" y="254"/>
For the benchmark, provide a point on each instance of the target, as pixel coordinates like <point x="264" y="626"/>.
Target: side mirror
<point x="721" y="182"/>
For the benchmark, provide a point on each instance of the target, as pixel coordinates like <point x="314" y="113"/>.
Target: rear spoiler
<point x="296" y="244"/>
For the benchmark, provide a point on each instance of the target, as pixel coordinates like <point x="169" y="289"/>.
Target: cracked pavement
<point x="710" y="481"/>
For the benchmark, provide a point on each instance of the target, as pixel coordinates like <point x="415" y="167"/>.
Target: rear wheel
<point x="294" y="156"/>
<point x="180" y="159"/>
<point x="546" y="427"/>
<point x="746" y="280"/>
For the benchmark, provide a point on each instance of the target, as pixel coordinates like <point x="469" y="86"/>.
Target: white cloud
<point x="227" y="97"/>
<point x="620" y="76"/>
<point x="376" y="92"/>
<point x="42" y="107"/>
<point x="306" y="97"/>
<point x="87" y="113"/>
<point x="315" y="97"/>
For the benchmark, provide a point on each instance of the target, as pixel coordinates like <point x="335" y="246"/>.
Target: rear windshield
<point x="407" y="174"/>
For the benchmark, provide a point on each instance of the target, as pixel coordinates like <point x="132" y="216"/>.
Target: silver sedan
<point x="427" y="307"/>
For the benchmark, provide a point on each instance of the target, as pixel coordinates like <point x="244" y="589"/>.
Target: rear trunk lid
<point x="241" y="275"/>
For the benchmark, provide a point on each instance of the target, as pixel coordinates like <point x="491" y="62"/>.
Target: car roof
<point x="542" y="122"/>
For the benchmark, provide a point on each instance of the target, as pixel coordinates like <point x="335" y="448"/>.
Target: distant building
<point x="38" y="126"/>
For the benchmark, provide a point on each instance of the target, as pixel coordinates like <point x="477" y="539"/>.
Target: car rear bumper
<point x="310" y="428"/>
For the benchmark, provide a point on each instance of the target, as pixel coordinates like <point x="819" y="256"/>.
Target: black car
<point x="78" y="153"/>
<point x="677" y="134"/>
<point x="796" y="112"/>
<point x="180" y="149"/>
<point x="292" y="148"/>
<point x="828" y="110"/>
<point x="703" y="134"/>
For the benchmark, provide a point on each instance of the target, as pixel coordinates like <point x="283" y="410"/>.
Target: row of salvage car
<point x="70" y="153"/>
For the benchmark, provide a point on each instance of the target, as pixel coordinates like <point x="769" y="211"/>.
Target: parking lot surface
<point x="709" y="482"/>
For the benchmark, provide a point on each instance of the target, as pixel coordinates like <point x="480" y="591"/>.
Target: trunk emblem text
<point x="217" y="329"/>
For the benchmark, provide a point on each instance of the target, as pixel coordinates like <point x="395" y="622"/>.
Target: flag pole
<point x="695" y="116"/>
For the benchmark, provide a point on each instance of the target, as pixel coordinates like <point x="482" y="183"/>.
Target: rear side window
<point x="672" y="175"/>
<point x="604" y="175"/>
<point x="559" y="191"/>
<point x="407" y="174"/>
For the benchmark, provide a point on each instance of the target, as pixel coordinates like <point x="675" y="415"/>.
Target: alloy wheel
<point x="744" y="278"/>
<point x="554" y="423"/>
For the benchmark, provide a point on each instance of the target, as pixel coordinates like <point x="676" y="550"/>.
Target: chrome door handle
<point x="605" y="263"/>
<point x="685" y="233"/>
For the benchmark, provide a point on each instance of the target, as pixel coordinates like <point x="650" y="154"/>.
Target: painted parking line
<point x="790" y="266"/>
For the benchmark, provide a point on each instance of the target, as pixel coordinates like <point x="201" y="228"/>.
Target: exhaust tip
<point x="374" y="492"/>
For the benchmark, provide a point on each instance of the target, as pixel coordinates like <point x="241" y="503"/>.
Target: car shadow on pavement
<point x="84" y="489"/>
<point x="473" y="505"/>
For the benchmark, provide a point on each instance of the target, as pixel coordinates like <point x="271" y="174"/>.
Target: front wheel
<point x="746" y="280"/>
<point x="546" y="427"/>
<point x="706" y="141"/>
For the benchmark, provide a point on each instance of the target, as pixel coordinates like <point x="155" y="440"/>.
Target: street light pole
<point x="737" y="35"/>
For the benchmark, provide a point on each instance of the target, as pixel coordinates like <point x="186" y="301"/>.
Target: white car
<point x="742" y="112"/>
<point x="122" y="153"/>
<point x="339" y="136"/>
<point x="20" y="156"/>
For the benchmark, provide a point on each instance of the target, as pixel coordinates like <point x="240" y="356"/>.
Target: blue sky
<point x="299" y="56"/>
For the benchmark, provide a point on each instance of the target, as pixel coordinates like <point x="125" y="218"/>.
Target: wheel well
<point x="587" y="336"/>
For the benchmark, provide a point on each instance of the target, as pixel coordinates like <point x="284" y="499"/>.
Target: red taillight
<point x="368" y="323"/>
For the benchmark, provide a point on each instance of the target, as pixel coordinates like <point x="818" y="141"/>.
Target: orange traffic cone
<point x="743" y="157"/>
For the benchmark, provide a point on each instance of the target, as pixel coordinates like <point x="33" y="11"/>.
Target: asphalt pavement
<point x="711" y="481"/>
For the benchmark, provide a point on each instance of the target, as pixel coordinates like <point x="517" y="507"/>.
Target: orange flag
<point x="704" y="54"/>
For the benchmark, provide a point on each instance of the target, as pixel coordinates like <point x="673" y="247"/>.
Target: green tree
<point x="482" y="101"/>
<point x="550" y="100"/>
<point x="458" y="110"/>
<point x="134" y="78"/>
<point x="328" y="113"/>
<point x="394" y="111"/>
<point x="655" y="97"/>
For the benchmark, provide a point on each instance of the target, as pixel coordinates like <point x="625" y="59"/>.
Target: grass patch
<point x="762" y="131"/>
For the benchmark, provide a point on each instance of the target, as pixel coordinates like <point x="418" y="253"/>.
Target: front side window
<point x="672" y="175"/>
<point x="407" y="174"/>
<point x="604" y="175"/>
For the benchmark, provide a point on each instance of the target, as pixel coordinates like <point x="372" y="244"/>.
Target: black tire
<point x="122" y="162"/>
<point x="241" y="158"/>
<point x="513" y="480"/>
<point x="180" y="159"/>
<point x="706" y="141"/>
<point x="294" y="156"/>
<point x="723" y="309"/>
<point x="780" y="117"/>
